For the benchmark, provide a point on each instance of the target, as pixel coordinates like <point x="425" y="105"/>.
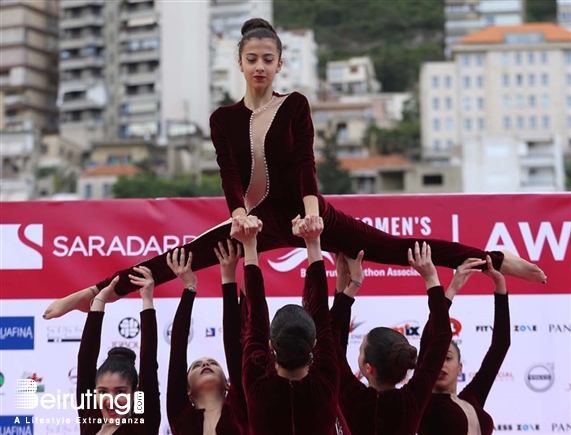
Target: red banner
<point x="49" y="249"/>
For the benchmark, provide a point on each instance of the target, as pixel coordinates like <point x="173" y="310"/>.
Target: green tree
<point x="333" y="180"/>
<point x="537" y="11"/>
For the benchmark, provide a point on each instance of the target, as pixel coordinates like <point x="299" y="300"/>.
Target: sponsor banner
<point x="17" y="333"/>
<point x="67" y="246"/>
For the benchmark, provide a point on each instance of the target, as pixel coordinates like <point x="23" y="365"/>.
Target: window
<point x="432" y="179"/>
<point x="519" y="101"/>
<point x="480" y="81"/>
<point x="543" y="58"/>
<point x="106" y="190"/>
<point x="507" y="123"/>
<point x="436" y="144"/>
<point x="448" y="82"/>
<point x="467" y="103"/>
<point x="568" y="57"/>
<point x="568" y="79"/>
<point x="519" y="80"/>
<point x="506" y="80"/>
<point x="449" y="124"/>
<point x="480" y="103"/>
<point x="569" y="101"/>
<point x="569" y="122"/>
<point x="435" y="103"/>
<point x="544" y="79"/>
<point x="531" y="79"/>
<point x="468" y="124"/>
<point x="88" y="192"/>
<point x="467" y="82"/>
<point x="517" y="58"/>
<point x="506" y="101"/>
<point x="519" y="122"/>
<point x="436" y="124"/>
<point x="532" y="122"/>
<point x="465" y="60"/>
<point x="505" y="59"/>
<point x="545" y="101"/>
<point x="448" y="103"/>
<point x="435" y="81"/>
<point x="545" y="121"/>
<point x="531" y="58"/>
<point x="448" y="144"/>
<point x="479" y="59"/>
<point x="531" y="101"/>
<point x="481" y="124"/>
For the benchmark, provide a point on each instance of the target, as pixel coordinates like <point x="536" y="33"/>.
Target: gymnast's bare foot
<point x="79" y="300"/>
<point x="520" y="268"/>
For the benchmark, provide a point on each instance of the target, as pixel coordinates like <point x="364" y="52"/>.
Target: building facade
<point x="564" y="13"/>
<point x="467" y="16"/>
<point x="28" y="69"/>
<point x="510" y="83"/>
<point x="355" y="76"/>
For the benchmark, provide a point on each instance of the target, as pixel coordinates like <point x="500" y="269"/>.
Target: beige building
<point x="97" y="182"/>
<point x="464" y="17"/>
<point x="511" y="82"/>
<point x="19" y="151"/>
<point x="564" y="13"/>
<point x="352" y="76"/>
<point x="29" y="60"/>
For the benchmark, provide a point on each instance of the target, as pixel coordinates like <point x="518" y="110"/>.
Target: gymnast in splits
<point x="264" y="149"/>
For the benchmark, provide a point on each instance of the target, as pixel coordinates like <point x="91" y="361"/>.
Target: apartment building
<point x="504" y="83"/>
<point x="227" y="16"/>
<point x="28" y="70"/>
<point x="352" y="76"/>
<point x="467" y="16"/>
<point x="129" y="67"/>
<point x="564" y="13"/>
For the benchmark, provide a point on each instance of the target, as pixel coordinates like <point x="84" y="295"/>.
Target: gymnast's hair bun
<point x="122" y="353"/>
<point x="256" y="23"/>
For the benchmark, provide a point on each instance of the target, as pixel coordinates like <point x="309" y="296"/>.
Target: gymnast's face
<point x="452" y="368"/>
<point x="260" y="62"/>
<point x="114" y="395"/>
<point x="205" y="374"/>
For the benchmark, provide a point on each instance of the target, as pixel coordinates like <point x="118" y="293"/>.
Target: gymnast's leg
<point x="348" y="235"/>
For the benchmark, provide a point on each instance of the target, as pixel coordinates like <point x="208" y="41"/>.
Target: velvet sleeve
<point x="426" y="373"/>
<point x="177" y="398"/>
<point x="427" y="334"/>
<point x="87" y="356"/>
<point x="305" y="160"/>
<point x="255" y="356"/>
<point x="315" y="301"/>
<point x="480" y="386"/>
<point x="231" y="181"/>
<point x="341" y="319"/>
<point x="148" y="371"/>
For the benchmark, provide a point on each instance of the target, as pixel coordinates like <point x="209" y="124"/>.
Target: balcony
<point x="140" y="118"/>
<point x="70" y="4"/>
<point x="537" y="160"/>
<point x="82" y="62"/>
<point x="139" y="78"/>
<point x="67" y="44"/>
<point x="138" y="98"/>
<point x="131" y="16"/>
<point x="83" y="21"/>
<point x="126" y="36"/>
<point x="79" y="104"/>
<point x="140" y="56"/>
<point x="11" y="100"/>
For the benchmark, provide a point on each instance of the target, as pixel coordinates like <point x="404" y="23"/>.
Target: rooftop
<point x="496" y="34"/>
<point x="373" y="163"/>
<point x="107" y="170"/>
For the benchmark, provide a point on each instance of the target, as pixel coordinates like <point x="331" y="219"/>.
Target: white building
<point x="507" y="92"/>
<point x="228" y="16"/>
<point x="300" y="68"/>
<point x="467" y="16"/>
<point x="226" y="79"/>
<point x="353" y="76"/>
<point x="564" y="13"/>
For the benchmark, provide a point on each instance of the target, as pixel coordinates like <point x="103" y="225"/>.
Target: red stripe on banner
<point x="49" y="249"/>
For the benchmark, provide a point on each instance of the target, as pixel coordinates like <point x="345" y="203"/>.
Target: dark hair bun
<point x="403" y="356"/>
<point x="123" y="353"/>
<point x="256" y="23"/>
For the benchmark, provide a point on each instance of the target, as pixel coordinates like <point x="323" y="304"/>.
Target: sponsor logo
<point x="355" y="338"/>
<point x="540" y="377"/>
<point x="461" y="377"/>
<point x="294" y="258"/>
<point x="64" y="334"/>
<point x="16" y="333"/>
<point x="26" y="398"/>
<point x="72" y="375"/>
<point x="16" y="425"/>
<point x="484" y="328"/>
<point x="40" y="388"/>
<point x="24" y="243"/>
<point x="559" y="328"/>
<point x="408" y="328"/>
<point x="456" y="327"/>
<point x="210" y="332"/>
<point x="62" y="429"/>
<point x="167" y="332"/>
<point x="561" y="427"/>
<point x="527" y="427"/>
<point x="502" y="376"/>
<point x="1" y="379"/>
<point x="354" y="324"/>
<point x="525" y="328"/>
<point x="129" y="327"/>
